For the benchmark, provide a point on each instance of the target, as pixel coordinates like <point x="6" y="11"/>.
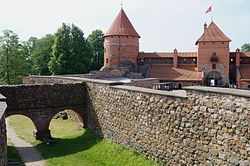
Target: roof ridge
<point x="122" y="26"/>
<point x="213" y="33"/>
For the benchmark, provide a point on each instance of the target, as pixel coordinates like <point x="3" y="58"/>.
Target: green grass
<point x="78" y="147"/>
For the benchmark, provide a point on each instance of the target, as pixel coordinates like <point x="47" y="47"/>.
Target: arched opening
<point x="66" y="123"/>
<point x="22" y="125"/>
<point x="214" y="79"/>
<point x="20" y="131"/>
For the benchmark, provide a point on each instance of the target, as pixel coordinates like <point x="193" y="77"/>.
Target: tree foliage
<point x="245" y="47"/>
<point x="70" y="52"/>
<point x="41" y="54"/>
<point x="14" y="61"/>
<point x="95" y="40"/>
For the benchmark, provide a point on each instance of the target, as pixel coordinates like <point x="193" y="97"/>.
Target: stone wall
<point x="146" y="83"/>
<point x="27" y="97"/>
<point x="204" y="126"/>
<point x="3" y="139"/>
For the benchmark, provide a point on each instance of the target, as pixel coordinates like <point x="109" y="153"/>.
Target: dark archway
<point x="214" y="78"/>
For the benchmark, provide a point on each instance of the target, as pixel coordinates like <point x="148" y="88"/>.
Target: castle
<point x="212" y="65"/>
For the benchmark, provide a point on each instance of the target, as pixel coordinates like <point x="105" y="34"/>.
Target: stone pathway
<point x="29" y="155"/>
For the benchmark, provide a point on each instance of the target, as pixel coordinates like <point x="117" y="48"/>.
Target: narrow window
<point x="107" y="60"/>
<point x="214" y="66"/>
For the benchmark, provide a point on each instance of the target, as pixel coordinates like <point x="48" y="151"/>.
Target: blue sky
<point x="162" y="24"/>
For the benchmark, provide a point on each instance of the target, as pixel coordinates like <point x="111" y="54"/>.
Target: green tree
<point x="27" y="50"/>
<point x="41" y="54"/>
<point x="70" y="52"/>
<point x="245" y="47"/>
<point x="95" y="40"/>
<point x="13" y="58"/>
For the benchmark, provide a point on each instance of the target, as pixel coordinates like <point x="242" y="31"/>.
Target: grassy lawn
<point x="77" y="147"/>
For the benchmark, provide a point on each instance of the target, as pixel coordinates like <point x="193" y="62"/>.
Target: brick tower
<point x="121" y="43"/>
<point x="213" y="56"/>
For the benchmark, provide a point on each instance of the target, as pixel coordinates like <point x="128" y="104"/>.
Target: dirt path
<point x="29" y="155"/>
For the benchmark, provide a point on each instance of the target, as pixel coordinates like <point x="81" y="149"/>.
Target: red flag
<point x="209" y="9"/>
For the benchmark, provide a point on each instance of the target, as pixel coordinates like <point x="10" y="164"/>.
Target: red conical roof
<point x="122" y="26"/>
<point x="213" y="33"/>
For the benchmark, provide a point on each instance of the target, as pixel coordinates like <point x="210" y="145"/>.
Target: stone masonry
<point x="202" y="127"/>
<point x="41" y="103"/>
<point x="3" y="139"/>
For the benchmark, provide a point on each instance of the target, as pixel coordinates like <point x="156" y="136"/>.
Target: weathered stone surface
<point x="205" y="128"/>
<point x="3" y="139"/>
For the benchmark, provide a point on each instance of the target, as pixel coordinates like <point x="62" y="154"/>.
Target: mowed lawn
<point x="74" y="146"/>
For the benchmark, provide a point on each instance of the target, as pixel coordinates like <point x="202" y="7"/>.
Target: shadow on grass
<point x="62" y="147"/>
<point x="13" y="154"/>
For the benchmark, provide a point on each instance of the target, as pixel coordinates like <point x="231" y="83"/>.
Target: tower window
<point x="214" y="66"/>
<point x="107" y="60"/>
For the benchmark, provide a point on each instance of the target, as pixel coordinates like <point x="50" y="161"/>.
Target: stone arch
<point x="22" y="114"/>
<point x="214" y="78"/>
<point x="77" y="111"/>
<point x="34" y="129"/>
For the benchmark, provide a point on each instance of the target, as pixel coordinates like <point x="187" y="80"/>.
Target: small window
<point x="222" y="43"/>
<point x="213" y="43"/>
<point x="214" y="66"/>
<point x="248" y="86"/>
<point x="127" y="36"/>
<point x="107" y="60"/>
<point x="204" y="43"/>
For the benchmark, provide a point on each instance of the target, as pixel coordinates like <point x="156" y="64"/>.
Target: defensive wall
<point x="202" y="126"/>
<point x="3" y="140"/>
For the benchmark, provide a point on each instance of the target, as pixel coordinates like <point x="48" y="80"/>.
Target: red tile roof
<point x="242" y="54"/>
<point x="165" y="54"/>
<point x="245" y="54"/>
<point x="169" y="73"/>
<point x="213" y="33"/>
<point x="122" y="26"/>
<point x="245" y="71"/>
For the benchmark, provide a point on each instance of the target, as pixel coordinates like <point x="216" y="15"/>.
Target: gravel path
<point x="30" y="156"/>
